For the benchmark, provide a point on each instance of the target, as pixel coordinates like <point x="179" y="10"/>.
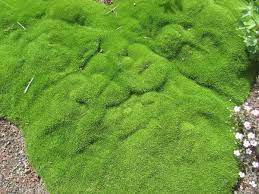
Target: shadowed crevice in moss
<point x="210" y="87"/>
<point x="91" y="55"/>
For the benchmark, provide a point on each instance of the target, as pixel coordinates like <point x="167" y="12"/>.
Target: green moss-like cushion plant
<point x="127" y="98"/>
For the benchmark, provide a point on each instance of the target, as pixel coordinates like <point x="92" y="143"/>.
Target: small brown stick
<point x="21" y="25"/>
<point x="112" y="10"/>
<point x="118" y="28"/>
<point x="28" y="86"/>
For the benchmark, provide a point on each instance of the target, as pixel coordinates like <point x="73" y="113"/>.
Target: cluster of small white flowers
<point x="247" y="119"/>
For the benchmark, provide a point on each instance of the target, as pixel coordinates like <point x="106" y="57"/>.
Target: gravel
<point x="16" y="174"/>
<point x="247" y="119"/>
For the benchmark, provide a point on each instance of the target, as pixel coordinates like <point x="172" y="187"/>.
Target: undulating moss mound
<point x="133" y="100"/>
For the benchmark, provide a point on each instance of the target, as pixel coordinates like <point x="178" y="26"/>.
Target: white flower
<point x="253" y="184"/>
<point x="255" y="113"/>
<point x="248" y="151"/>
<point x="239" y="136"/>
<point x="241" y="174"/>
<point x="246" y="144"/>
<point x="247" y="108"/>
<point x="251" y="135"/>
<point x="253" y="143"/>
<point x="247" y="125"/>
<point x="237" y="153"/>
<point x="237" y="109"/>
<point x="255" y="164"/>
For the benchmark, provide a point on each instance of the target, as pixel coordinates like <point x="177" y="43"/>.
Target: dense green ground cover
<point x="129" y="101"/>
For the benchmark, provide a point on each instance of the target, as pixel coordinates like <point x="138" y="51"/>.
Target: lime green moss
<point x="131" y="101"/>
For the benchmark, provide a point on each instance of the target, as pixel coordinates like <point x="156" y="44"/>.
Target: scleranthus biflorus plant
<point x="125" y="98"/>
<point x="249" y="25"/>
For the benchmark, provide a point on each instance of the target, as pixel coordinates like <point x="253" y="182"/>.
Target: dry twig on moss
<point x="28" y="86"/>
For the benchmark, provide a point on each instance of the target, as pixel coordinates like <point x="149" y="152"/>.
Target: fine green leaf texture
<point x="134" y="100"/>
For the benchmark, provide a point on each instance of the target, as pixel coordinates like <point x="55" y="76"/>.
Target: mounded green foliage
<point x="71" y="13"/>
<point x="134" y="101"/>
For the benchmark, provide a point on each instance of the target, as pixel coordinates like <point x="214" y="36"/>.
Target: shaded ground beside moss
<point x="130" y="100"/>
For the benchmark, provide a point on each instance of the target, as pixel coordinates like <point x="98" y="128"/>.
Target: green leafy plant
<point x="249" y="24"/>
<point x="128" y="98"/>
